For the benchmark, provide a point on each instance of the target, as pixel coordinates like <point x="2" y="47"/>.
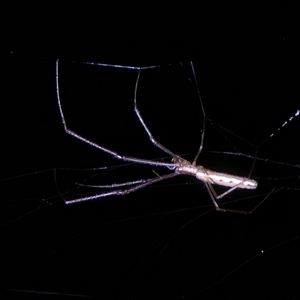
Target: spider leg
<point x="123" y="191"/>
<point x="138" y="114"/>
<point x="113" y="153"/>
<point x="204" y="115"/>
<point x="213" y="196"/>
<point x="114" y="185"/>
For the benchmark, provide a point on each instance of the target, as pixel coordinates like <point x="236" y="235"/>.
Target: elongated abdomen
<point x="225" y="179"/>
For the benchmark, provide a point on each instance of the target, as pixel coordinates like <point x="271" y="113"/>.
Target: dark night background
<point x="165" y="241"/>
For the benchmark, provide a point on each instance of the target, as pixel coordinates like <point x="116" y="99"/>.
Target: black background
<point x="165" y="241"/>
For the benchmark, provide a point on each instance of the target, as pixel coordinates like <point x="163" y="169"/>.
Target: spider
<point x="178" y="165"/>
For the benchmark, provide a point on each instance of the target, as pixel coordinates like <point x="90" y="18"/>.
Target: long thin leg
<point x="137" y="112"/>
<point x="204" y="116"/>
<point x="113" y="185"/>
<point x="212" y="194"/>
<point x="113" y="153"/>
<point x="125" y="191"/>
<point x="118" y="66"/>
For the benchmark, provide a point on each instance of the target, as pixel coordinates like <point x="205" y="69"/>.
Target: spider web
<point x="167" y="239"/>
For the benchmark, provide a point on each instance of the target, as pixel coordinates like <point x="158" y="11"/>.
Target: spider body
<point x="178" y="165"/>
